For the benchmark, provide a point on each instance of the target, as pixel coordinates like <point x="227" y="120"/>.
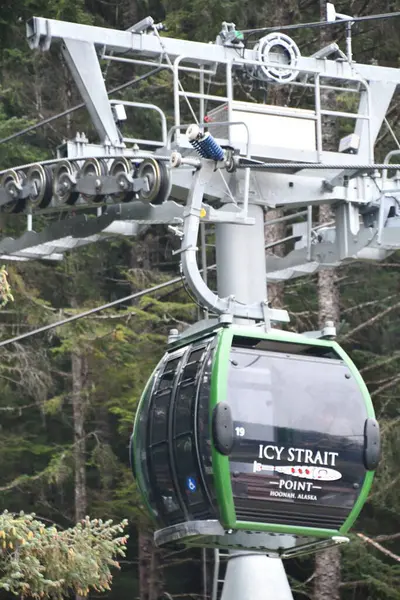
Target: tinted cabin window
<point x="176" y="482"/>
<point x="160" y="468"/>
<point x="190" y="480"/>
<point x="203" y="428"/>
<point x="184" y="407"/>
<point x="299" y="424"/>
<point x="160" y="414"/>
<point x="139" y="447"/>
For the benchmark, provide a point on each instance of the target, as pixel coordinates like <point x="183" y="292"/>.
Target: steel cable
<point x="78" y="106"/>
<point x="325" y="166"/>
<point x="322" y="23"/>
<point x="95" y="310"/>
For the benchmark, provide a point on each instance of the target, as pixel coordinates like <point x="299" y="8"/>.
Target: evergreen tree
<point x="68" y="397"/>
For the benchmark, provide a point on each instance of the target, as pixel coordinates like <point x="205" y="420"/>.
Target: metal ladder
<point x="220" y="564"/>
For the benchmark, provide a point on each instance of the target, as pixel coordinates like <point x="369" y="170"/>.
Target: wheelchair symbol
<point x="191" y="484"/>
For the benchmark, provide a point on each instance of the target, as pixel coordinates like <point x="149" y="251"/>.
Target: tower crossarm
<point x="234" y="159"/>
<point x="42" y="32"/>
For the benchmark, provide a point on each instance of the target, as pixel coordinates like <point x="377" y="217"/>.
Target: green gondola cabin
<point x="269" y="438"/>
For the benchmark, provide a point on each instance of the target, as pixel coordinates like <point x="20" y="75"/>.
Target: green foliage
<point x="43" y="562"/>
<point x="16" y="152"/>
<point x="364" y="569"/>
<point x="5" y="290"/>
<point x="121" y="347"/>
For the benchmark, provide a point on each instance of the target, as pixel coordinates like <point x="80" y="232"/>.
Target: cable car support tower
<point x="222" y="159"/>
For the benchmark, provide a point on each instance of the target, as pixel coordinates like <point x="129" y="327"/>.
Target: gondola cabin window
<point x="298" y="438"/>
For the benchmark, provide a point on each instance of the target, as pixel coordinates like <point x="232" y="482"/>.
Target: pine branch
<point x="387" y="426"/>
<point x="370" y="321"/>
<point x="381" y="363"/>
<point x="385" y="386"/>
<point x="390" y="265"/>
<point x="351" y="584"/>
<point x="18" y="408"/>
<point x="387" y="538"/>
<point x="20" y="480"/>
<point x="387" y="487"/>
<point x="177" y="563"/>
<point x="43" y="562"/>
<point x="379" y="547"/>
<point x="370" y="303"/>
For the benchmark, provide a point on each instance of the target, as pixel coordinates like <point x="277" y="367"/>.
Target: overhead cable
<point x="92" y="311"/>
<point x="78" y="106"/>
<point x="95" y="310"/>
<point x="323" y="23"/>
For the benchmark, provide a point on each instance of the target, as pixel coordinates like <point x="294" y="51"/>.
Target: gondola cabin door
<point x="297" y="457"/>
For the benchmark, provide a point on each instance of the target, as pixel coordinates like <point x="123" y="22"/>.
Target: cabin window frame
<point x="192" y="486"/>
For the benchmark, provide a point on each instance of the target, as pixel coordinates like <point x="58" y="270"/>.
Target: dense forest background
<point x="68" y="397"/>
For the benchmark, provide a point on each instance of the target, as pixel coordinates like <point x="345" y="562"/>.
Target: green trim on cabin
<point x="288" y="337"/>
<point x="220" y="463"/>
<point x="362" y="498"/>
<point x="288" y="529"/>
<point x="369" y="477"/>
<point x="218" y="393"/>
<point x="357" y="376"/>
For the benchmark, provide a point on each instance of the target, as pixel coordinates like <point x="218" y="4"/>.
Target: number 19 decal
<point x="240" y="431"/>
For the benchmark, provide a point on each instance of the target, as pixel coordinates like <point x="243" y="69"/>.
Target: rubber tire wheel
<point x="47" y="193"/>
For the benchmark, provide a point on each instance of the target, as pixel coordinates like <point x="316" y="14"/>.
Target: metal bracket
<point x="328" y="332"/>
<point x="5" y="198"/>
<point x="21" y="193"/>
<point x="85" y="68"/>
<point x="267" y="321"/>
<point x="109" y="184"/>
<point x="72" y="232"/>
<point x="179" y="233"/>
<point x="214" y="215"/>
<point x="190" y="267"/>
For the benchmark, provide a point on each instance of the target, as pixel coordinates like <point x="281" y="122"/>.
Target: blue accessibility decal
<point x="191" y="484"/>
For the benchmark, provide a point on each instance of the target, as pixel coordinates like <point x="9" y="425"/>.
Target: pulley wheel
<point x="63" y="189"/>
<point x="93" y="167"/>
<point x="275" y="51"/>
<point x="158" y="179"/>
<point x="40" y="178"/>
<point x="122" y="165"/>
<point x="11" y="182"/>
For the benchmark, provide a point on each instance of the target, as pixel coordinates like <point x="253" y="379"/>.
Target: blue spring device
<point x="205" y="144"/>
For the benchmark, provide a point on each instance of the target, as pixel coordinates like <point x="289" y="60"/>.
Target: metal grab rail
<point x="316" y="115"/>
<point x="145" y="105"/>
<point x="386" y="160"/>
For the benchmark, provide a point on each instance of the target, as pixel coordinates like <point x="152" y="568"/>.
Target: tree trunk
<point x="327" y="575"/>
<point x="78" y="413"/>
<point x="327" y="563"/>
<point x="204" y="572"/>
<point x="151" y="576"/>
<point x="328" y="300"/>
<point x="273" y="233"/>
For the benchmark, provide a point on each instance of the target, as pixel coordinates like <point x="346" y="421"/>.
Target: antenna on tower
<point x="332" y="16"/>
